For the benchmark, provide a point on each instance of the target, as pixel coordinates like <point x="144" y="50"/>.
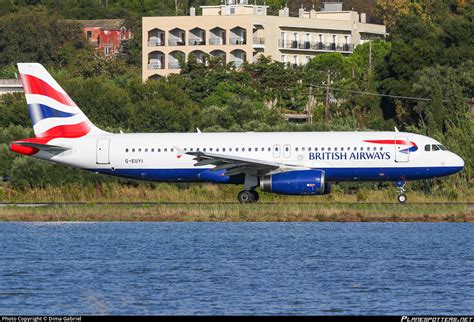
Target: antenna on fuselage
<point x="198" y="130"/>
<point x="396" y="130"/>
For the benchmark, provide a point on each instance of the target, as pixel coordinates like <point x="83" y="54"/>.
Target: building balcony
<point x="196" y="42"/>
<point x="176" y="42"/>
<point x="153" y="66"/>
<point x="237" y="41"/>
<point x="154" y="43"/>
<point x="174" y="65"/>
<point x="216" y="41"/>
<point x="315" y="46"/>
<point x="258" y="42"/>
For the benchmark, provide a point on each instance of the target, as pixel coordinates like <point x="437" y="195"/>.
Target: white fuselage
<point x="345" y="156"/>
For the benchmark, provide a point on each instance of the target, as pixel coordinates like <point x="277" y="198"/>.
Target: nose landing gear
<point x="402" y="198"/>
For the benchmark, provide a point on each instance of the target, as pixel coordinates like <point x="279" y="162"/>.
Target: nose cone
<point x="457" y="162"/>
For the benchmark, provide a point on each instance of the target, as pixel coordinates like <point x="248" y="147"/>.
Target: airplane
<point x="289" y="163"/>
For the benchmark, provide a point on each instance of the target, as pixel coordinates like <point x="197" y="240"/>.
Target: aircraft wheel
<point x="402" y="198"/>
<point x="255" y="195"/>
<point x="245" y="196"/>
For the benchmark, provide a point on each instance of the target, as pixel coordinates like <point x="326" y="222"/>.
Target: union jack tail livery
<point x="53" y="113"/>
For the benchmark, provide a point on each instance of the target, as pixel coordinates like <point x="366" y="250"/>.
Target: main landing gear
<point x="402" y="198"/>
<point x="249" y="195"/>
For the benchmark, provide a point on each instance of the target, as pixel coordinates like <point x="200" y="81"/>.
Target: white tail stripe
<point x="46" y="124"/>
<point x="46" y="100"/>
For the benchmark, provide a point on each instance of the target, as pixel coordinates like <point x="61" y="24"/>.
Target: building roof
<point x="106" y="24"/>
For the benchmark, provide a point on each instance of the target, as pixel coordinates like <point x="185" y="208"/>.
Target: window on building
<point x="89" y="34"/>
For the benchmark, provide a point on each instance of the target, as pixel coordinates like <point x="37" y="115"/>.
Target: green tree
<point x="32" y="35"/>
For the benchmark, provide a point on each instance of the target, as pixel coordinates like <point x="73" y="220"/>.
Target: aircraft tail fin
<point x="53" y="113"/>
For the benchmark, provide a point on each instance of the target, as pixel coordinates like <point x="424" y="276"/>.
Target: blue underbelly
<point x="332" y="174"/>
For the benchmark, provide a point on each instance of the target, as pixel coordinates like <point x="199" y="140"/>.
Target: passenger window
<point x="152" y="149"/>
<point x="315" y="149"/>
<point x="126" y="150"/>
<point x="375" y="148"/>
<point x="165" y="149"/>
<point x="309" y="149"/>
<point x="256" y="149"/>
<point x="172" y="150"/>
<point x="276" y="149"/>
<point x="263" y="149"/>
<point x="329" y="149"/>
<point x="434" y="147"/>
<point x="302" y="149"/>
<point x="269" y="149"/>
<point x="348" y="149"/>
<point x="362" y="149"/>
<point x="287" y="148"/>
<point x="223" y="149"/>
<point x="381" y="148"/>
<point x="191" y="149"/>
<point x="243" y="149"/>
<point x="204" y="149"/>
<point x="159" y="150"/>
<point x="140" y="150"/>
<point x="133" y="150"/>
<point x="322" y="149"/>
<point x="236" y="149"/>
<point x="355" y="149"/>
<point x="230" y="149"/>
<point x="217" y="149"/>
<point x="146" y="150"/>
<point x="342" y="149"/>
<point x="428" y="147"/>
<point x="335" y="149"/>
<point x="210" y="149"/>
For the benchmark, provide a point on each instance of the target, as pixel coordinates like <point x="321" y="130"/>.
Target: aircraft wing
<point x="234" y="165"/>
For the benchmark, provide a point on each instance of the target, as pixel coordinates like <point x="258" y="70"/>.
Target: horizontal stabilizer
<point x="53" y="149"/>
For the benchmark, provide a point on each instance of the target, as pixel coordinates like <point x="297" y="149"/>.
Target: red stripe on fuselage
<point x="34" y="85"/>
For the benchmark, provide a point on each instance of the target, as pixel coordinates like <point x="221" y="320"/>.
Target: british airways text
<point x="349" y="156"/>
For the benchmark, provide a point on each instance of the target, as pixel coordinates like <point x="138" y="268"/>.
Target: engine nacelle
<point x="297" y="182"/>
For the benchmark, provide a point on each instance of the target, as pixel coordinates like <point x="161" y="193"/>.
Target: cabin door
<point x="103" y="154"/>
<point x="402" y="152"/>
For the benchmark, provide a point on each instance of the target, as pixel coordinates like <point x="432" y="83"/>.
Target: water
<point x="236" y="268"/>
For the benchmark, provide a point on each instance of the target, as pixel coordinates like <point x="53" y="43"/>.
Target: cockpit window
<point x="442" y="147"/>
<point x="427" y="147"/>
<point x="435" y="147"/>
